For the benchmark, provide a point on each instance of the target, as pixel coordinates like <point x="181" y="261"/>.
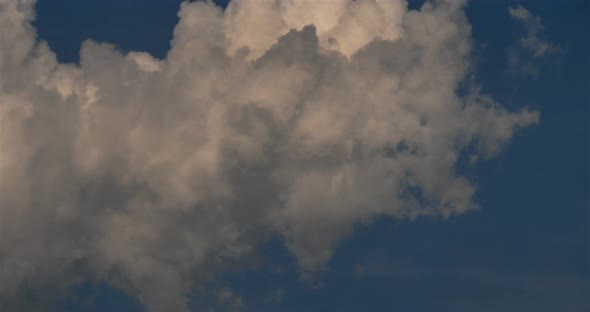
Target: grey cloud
<point x="153" y="174"/>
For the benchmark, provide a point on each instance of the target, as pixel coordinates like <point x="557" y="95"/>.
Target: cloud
<point x="231" y="302"/>
<point x="154" y="174"/>
<point x="489" y="288"/>
<point x="533" y="43"/>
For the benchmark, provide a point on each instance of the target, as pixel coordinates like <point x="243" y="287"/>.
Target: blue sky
<point x="526" y="249"/>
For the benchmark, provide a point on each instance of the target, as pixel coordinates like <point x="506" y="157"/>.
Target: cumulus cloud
<point x="294" y="119"/>
<point x="533" y="42"/>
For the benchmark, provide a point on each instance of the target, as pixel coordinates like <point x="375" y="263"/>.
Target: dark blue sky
<point x="527" y="249"/>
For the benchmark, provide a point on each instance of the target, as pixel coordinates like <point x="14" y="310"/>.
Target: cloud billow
<point x="289" y="119"/>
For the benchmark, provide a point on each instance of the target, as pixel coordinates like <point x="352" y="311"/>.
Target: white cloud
<point x="150" y="173"/>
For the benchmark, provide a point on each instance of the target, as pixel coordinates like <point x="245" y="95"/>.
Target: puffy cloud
<point x="533" y="42"/>
<point x="295" y="119"/>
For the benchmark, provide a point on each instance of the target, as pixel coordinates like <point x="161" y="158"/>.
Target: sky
<point x="421" y="156"/>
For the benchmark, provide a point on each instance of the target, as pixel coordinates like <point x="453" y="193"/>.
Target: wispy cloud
<point x="492" y="289"/>
<point x="533" y="43"/>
